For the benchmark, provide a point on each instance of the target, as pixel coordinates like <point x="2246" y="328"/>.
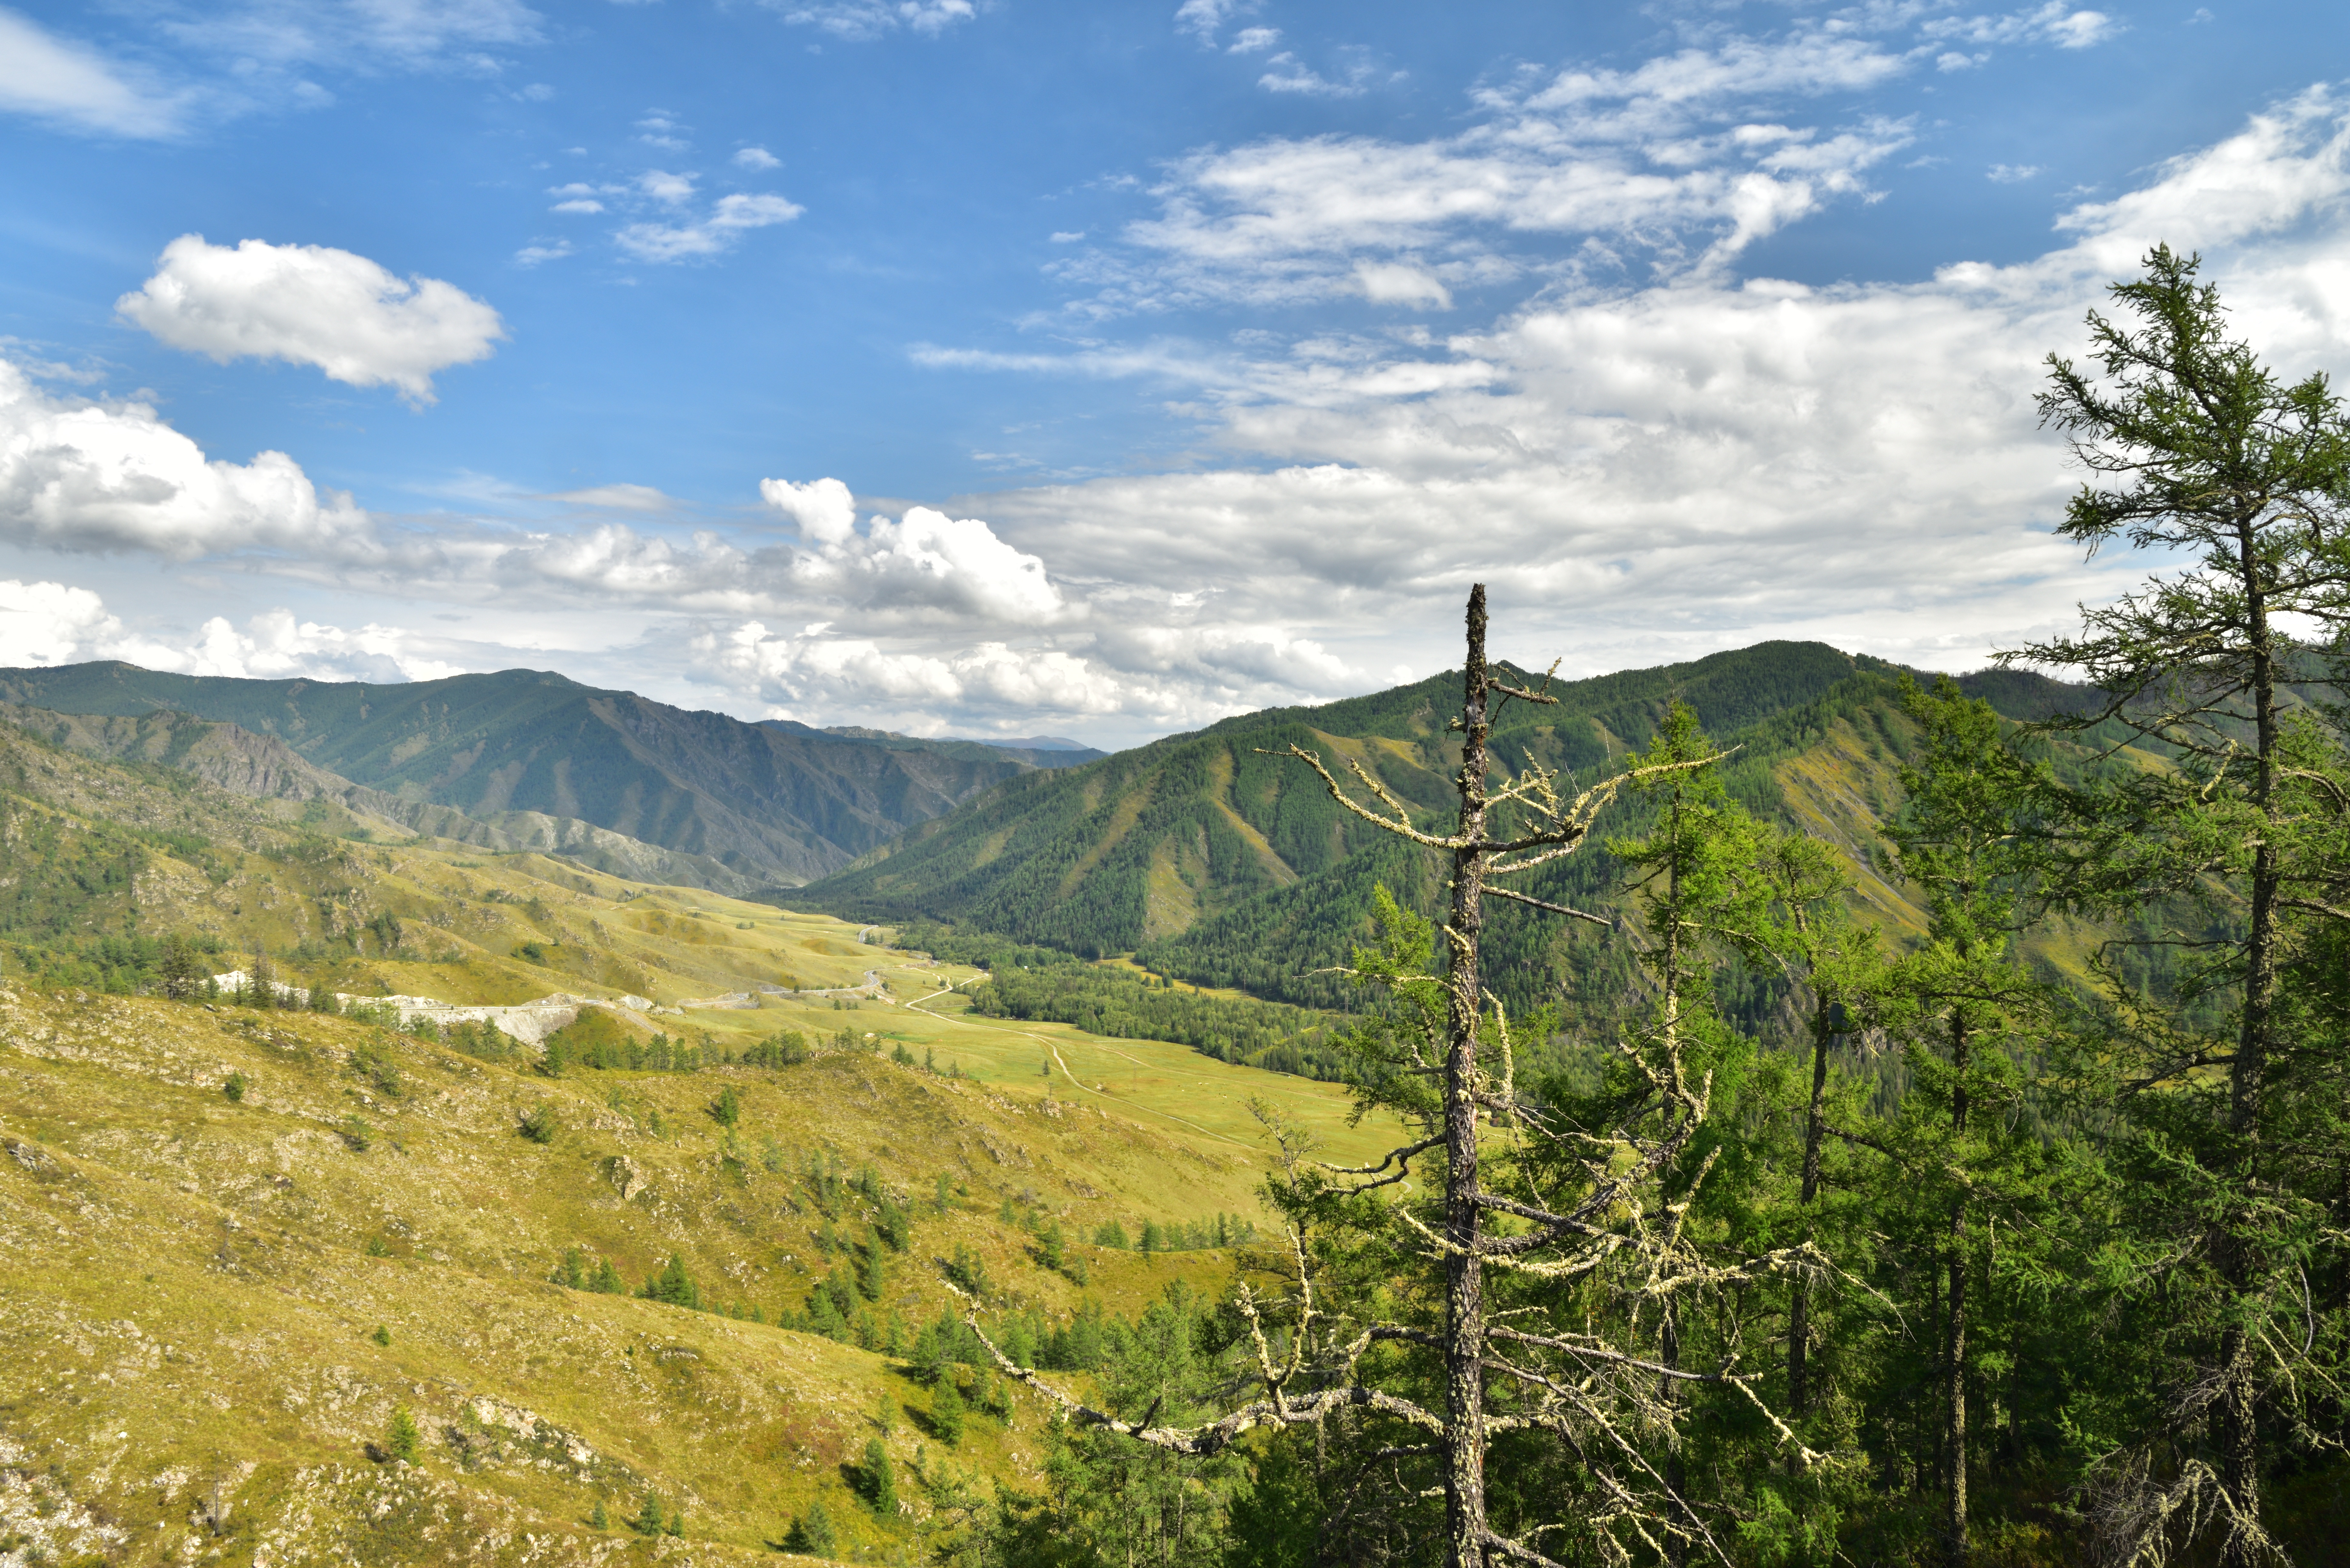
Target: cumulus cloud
<point x="824" y="508"/>
<point x="70" y="85"/>
<point x="312" y="305"/>
<point x="50" y="623"/>
<point x="728" y="220"/>
<point x="925" y="560"/>
<point x="819" y="672"/>
<point x="757" y="158"/>
<point x="277" y="644"/>
<point x="47" y="624"/>
<point x="99" y="476"/>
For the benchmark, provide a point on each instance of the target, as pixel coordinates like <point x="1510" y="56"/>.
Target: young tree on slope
<point x="2195" y="447"/>
<point x="1581" y="1227"/>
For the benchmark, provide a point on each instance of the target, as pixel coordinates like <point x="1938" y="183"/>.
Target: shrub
<point x="1110" y="1234"/>
<point x="599" y="1520"/>
<point x="381" y="1335"/>
<point x="727" y="1108"/>
<point x="233" y="1087"/>
<point x="358" y="1134"/>
<point x="539" y="1124"/>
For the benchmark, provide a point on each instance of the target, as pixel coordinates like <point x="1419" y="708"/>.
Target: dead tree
<point x="1599" y="1217"/>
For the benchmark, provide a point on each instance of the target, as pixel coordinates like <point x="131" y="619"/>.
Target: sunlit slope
<point x="189" y="1287"/>
<point x="1147" y="845"/>
<point x="104" y="856"/>
<point x="1211" y="861"/>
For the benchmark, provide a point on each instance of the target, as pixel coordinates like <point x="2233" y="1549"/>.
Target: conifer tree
<point x="880" y="1485"/>
<point x="946" y="1411"/>
<point x="2194" y="448"/>
<point x="402" y="1439"/>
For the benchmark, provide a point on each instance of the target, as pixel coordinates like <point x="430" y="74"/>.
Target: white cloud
<point x="93" y="477"/>
<point x="1202" y="18"/>
<point x="532" y="256"/>
<point x="310" y="305"/>
<point x="831" y="674"/>
<point x="663" y="186"/>
<point x="1068" y="236"/>
<point x="73" y="86"/>
<point x="824" y="508"/>
<point x="862" y="21"/>
<point x="1396" y="282"/>
<point x="277" y="644"/>
<point x="50" y="623"/>
<point x="2012" y="174"/>
<point x="1670" y="164"/>
<point x="47" y="624"/>
<point x="658" y="130"/>
<point x="2053" y="23"/>
<point x="1251" y="40"/>
<point x="578" y="204"/>
<point x="756" y="158"/>
<point x="1296" y="78"/>
<point x="728" y="220"/>
<point x="624" y="497"/>
<point x="925" y="560"/>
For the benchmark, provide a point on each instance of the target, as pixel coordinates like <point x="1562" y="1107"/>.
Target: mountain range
<point x="533" y="760"/>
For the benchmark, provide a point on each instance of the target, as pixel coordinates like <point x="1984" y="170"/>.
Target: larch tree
<point x="2195" y="449"/>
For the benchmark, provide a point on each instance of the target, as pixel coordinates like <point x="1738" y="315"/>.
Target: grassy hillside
<point x="776" y="803"/>
<point x="194" y="1288"/>
<point x="218" y="1302"/>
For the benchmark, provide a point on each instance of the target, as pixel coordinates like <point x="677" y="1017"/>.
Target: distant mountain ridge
<point x="1213" y="860"/>
<point x="773" y="805"/>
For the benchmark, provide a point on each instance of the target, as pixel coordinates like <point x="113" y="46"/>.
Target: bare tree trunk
<point x="1799" y="1325"/>
<point x="1954" y="1445"/>
<point x="1465" y="1285"/>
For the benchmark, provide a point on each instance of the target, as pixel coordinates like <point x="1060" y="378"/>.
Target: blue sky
<point x="1097" y="370"/>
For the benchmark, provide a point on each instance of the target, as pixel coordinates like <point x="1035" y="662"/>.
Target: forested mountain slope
<point x="775" y="804"/>
<point x="1214" y="862"/>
